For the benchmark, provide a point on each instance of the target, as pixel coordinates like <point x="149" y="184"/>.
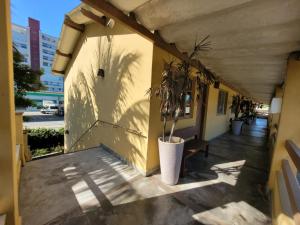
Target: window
<point x="187" y="111"/>
<point x="47" y="58"/>
<point x="44" y="37"/>
<point x="23" y="46"/>
<point x="222" y="102"/>
<point x="188" y="105"/>
<point x="45" y="51"/>
<point x="46" y="45"/>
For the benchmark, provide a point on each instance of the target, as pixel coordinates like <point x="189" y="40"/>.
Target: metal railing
<point x="102" y="122"/>
<point x="83" y="134"/>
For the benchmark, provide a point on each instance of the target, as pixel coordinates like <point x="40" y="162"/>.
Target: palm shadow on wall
<point x="88" y="103"/>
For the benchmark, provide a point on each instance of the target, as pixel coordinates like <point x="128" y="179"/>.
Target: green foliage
<point x="240" y="104"/>
<point x="25" y="79"/>
<point x="45" y="138"/>
<point x="23" y="102"/>
<point x="173" y="88"/>
<point x="45" y="151"/>
<point x="236" y="106"/>
<point x="171" y="92"/>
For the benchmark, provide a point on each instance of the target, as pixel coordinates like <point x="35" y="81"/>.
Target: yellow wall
<point x="274" y="118"/>
<point x="273" y="122"/>
<point x="8" y="171"/>
<point x="19" y="142"/>
<point x="289" y="123"/>
<point x="132" y="64"/>
<point x="216" y="124"/>
<point x="20" y="137"/>
<point x="19" y="128"/>
<point x="119" y="98"/>
<point x="155" y="129"/>
<point x="289" y="128"/>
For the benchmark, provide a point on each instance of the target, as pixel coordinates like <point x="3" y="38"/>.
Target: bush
<point x="21" y="101"/>
<point x="45" y="151"/>
<point x="45" y="138"/>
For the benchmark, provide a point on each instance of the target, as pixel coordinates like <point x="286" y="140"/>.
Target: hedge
<point x="45" y="151"/>
<point x="45" y="138"/>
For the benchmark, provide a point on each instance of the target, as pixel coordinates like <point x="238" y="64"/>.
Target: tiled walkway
<point x="93" y="187"/>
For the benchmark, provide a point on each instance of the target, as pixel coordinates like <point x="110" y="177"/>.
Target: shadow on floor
<point x="94" y="187"/>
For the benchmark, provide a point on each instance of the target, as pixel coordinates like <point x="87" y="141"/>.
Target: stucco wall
<point x="289" y="128"/>
<point x="118" y="98"/>
<point x="132" y="64"/>
<point x="273" y="121"/>
<point x="9" y="189"/>
<point x="19" y="128"/>
<point x="155" y="129"/>
<point x="217" y="124"/>
<point x="289" y="123"/>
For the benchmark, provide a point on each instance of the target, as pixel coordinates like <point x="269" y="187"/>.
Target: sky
<point x="50" y="13"/>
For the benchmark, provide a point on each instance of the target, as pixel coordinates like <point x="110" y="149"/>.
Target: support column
<point x="8" y="169"/>
<point x="273" y="120"/>
<point x="289" y="121"/>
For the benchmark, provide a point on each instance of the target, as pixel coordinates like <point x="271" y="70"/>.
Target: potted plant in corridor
<point x="172" y="92"/>
<point x="244" y="111"/>
<point x="237" y="122"/>
<point x="247" y="107"/>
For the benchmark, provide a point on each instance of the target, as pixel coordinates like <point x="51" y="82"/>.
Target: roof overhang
<point x="251" y="40"/>
<point x="74" y="24"/>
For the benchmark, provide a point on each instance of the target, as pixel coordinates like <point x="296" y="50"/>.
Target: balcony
<point x="94" y="187"/>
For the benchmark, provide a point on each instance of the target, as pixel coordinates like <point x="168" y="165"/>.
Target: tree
<point x="25" y="79"/>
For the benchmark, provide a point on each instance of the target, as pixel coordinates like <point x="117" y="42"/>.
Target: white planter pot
<point x="237" y="127"/>
<point x="170" y="156"/>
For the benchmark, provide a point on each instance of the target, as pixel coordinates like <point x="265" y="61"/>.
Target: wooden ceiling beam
<point x="70" y="23"/>
<point x="59" y="72"/>
<point x="112" y="12"/>
<point x="101" y="20"/>
<point x="132" y="15"/>
<point x="160" y="42"/>
<point x="130" y="21"/>
<point x="63" y="54"/>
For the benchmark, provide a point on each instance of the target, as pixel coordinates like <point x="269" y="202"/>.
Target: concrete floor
<point x="94" y="187"/>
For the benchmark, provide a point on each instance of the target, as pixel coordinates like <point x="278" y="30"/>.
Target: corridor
<point x="94" y="187"/>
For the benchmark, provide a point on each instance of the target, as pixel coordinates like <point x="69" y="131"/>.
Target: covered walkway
<point x="94" y="187"/>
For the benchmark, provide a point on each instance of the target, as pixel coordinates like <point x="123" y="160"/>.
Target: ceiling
<point x="250" y="39"/>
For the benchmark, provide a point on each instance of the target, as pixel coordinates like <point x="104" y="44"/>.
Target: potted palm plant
<point x="237" y="122"/>
<point x="172" y="92"/>
<point x="244" y="111"/>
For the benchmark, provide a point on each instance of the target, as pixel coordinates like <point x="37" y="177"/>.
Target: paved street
<point x="37" y="119"/>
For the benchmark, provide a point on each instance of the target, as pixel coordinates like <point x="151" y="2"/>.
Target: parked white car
<point x="50" y="109"/>
<point x="60" y="111"/>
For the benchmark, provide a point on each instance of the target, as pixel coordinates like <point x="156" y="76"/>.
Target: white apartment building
<point x="38" y="50"/>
